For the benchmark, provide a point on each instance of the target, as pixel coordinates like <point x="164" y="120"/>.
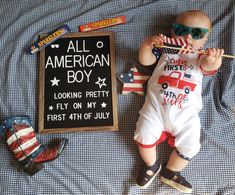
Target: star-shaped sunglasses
<point x="196" y="32"/>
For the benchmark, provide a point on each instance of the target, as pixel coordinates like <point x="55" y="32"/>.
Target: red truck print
<point x="174" y="80"/>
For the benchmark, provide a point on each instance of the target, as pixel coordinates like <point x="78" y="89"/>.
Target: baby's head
<point x="194" y="26"/>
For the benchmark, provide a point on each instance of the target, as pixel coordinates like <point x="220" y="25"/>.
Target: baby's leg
<point x="176" y="163"/>
<point x="171" y="173"/>
<point x="148" y="155"/>
<point x="187" y="142"/>
<point x="150" y="168"/>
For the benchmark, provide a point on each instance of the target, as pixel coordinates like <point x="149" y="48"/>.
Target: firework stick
<point x="196" y="51"/>
<point x="48" y="39"/>
<point x="103" y="23"/>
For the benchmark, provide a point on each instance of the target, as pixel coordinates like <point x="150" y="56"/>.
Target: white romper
<point x="172" y="104"/>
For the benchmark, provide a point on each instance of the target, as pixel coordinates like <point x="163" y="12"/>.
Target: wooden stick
<point x="196" y="51"/>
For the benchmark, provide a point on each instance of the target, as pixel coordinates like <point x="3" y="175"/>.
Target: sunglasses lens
<point x="180" y="30"/>
<point x="197" y="33"/>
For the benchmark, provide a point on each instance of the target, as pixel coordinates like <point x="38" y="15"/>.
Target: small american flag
<point x="176" y="46"/>
<point x="133" y="81"/>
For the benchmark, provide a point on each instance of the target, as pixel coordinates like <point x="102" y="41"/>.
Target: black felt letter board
<point x="77" y="85"/>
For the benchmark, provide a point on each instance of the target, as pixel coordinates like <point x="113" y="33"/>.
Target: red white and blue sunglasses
<point x="196" y="32"/>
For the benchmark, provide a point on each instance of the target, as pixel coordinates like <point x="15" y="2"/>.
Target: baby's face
<point x="196" y="34"/>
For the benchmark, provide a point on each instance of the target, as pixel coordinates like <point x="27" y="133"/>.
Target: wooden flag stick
<point x="196" y="51"/>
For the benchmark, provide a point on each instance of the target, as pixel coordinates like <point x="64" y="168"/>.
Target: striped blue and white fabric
<point x="103" y="162"/>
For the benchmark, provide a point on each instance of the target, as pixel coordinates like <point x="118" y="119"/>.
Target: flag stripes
<point x="176" y="46"/>
<point x="176" y="41"/>
<point x="22" y="141"/>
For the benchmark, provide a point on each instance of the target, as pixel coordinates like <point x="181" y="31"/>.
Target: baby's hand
<point x="155" y="40"/>
<point x="212" y="60"/>
<point x="146" y="56"/>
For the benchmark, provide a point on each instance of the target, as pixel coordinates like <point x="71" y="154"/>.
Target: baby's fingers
<point x="209" y="52"/>
<point x="215" y="52"/>
<point x="219" y="53"/>
<point x="159" y="40"/>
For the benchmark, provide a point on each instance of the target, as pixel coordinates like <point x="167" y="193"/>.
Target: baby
<point x="174" y="100"/>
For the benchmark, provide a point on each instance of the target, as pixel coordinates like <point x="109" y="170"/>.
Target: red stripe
<point x="181" y="42"/>
<point x="168" y="40"/>
<point x="18" y="127"/>
<point x="186" y="44"/>
<point x="126" y="89"/>
<point x="21" y="140"/>
<point x="27" y="150"/>
<point x="136" y="73"/>
<point x="139" y="81"/>
<point x="8" y="134"/>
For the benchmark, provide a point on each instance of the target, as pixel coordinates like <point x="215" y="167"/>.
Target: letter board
<point x="77" y="84"/>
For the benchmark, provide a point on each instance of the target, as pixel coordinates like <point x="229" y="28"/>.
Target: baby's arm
<point x="212" y="60"/>
<point x="146" y="57"/>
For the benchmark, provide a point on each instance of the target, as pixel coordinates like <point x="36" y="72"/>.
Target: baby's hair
<point x="194" y="13"/>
